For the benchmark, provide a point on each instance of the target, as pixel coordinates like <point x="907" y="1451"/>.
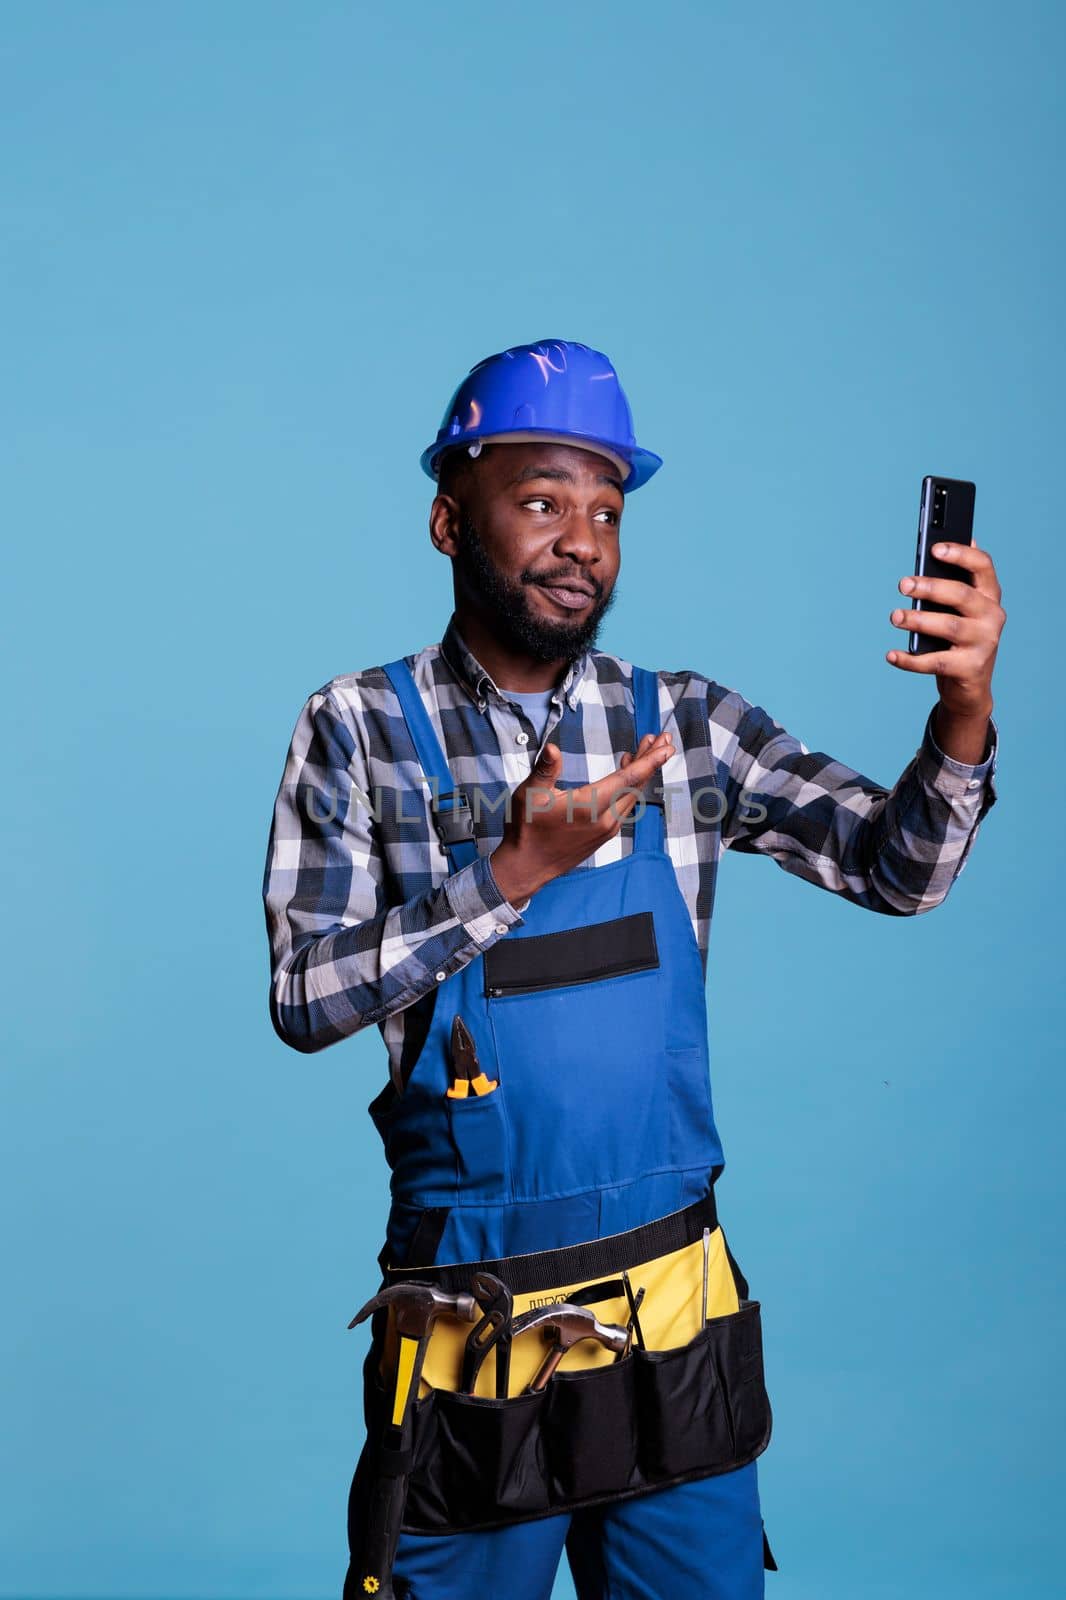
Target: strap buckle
<point x="453" y="819"/>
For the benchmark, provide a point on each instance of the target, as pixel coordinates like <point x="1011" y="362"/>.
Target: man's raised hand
<point x="551" y="830"/>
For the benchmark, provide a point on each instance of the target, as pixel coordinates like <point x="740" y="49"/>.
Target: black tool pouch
<point x="654" y="1418"/>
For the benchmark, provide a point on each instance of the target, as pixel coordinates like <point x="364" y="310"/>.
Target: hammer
<point x="416" y="1307"/>
<point x="569" y="1324"/>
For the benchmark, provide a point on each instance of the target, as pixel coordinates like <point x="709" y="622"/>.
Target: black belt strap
<point x="425" y="1241"/>
<point x="576" y="1263"/>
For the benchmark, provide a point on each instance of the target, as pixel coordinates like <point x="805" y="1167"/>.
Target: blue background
<point x="250" y="249"/>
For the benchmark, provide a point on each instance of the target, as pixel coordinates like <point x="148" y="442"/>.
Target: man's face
<point x="537" y="554"/>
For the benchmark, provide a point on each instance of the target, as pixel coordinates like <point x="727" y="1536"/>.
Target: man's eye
<point x="539" y="501"/>
<point x="612" y="516"/>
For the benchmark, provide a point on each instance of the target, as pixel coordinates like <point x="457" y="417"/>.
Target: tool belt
<point x="689" y="1404"/>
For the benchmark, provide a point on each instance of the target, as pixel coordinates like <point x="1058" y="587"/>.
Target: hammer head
<point x="417" y="1307"/>
<point x="569" y="1324"/>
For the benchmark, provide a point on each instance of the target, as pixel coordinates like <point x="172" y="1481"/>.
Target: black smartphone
<point x="946" y="513"/>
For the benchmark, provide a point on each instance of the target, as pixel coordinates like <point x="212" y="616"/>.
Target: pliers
<point x="467" y="1076"/>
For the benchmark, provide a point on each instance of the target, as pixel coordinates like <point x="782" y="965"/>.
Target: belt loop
<point x="425" y="1241"/>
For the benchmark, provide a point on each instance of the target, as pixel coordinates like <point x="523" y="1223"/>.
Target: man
<point x="502" y="850"/>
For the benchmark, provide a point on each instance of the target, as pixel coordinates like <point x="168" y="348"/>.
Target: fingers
<point x="946" y="592"/>
<point x="609" y="795"/>
<point x="652" y="752"/>
<point x="975" y="560"/>
<point x="611" y="792"/>
<point x="935" y="661"/>
<point x="539" y="787"/>
<point x="941" y="624"/>
<point x="980" y="622"/>
<point x="548" y="763"/>
<point x="606" y="802"/>
<point x="645" y="743"/>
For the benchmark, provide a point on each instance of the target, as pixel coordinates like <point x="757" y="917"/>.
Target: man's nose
<point x="580" y="539"/>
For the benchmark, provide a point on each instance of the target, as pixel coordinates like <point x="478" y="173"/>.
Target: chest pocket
<point x="578" y="1022"/>
<point x="573" y="956"/>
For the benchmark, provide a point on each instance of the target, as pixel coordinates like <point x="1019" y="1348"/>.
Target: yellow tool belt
<point x="669" y="1316"/>
<point x="690" y="1403"/>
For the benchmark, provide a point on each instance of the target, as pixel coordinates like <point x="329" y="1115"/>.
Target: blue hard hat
<point x="552" y="390"/>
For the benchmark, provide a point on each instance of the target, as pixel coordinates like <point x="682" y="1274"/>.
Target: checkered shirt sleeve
<point x="344" y="953"/>
<point x="896" y="851"/>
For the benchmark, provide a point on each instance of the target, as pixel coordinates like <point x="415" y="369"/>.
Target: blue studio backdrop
<point x="249" y="251"/>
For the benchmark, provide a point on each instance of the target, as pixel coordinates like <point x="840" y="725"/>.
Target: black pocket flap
<point x="575" y="955"/>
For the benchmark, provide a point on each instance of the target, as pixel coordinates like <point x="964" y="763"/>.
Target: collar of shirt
<point x="472" y="674"/>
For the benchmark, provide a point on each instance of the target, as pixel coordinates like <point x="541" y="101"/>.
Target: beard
<point x="508" y="604"/>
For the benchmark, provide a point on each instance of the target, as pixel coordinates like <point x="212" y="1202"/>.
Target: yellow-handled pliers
<point x="467" y="1075"/>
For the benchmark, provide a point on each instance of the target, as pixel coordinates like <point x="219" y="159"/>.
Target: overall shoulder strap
<point x="648" y="831"/>
<point x="452" y="817"/>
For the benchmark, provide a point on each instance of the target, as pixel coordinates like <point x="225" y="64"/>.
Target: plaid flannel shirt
<point x="365" y="919"/>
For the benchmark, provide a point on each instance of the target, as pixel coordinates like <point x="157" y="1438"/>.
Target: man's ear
<point x="445" y="521"/>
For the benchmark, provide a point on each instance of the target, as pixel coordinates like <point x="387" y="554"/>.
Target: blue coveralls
<point x="602" y="1121"/>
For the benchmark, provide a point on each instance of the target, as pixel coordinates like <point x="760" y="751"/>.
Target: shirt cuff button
<point x="974" y="783"/>
<point x="501" y="927"/>
<point x="441" y="975"/>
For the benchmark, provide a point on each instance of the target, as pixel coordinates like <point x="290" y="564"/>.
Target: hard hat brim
<point x="641" y="464"/>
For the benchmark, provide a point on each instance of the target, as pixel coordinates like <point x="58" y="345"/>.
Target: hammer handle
<point x="389" y="1496"/>
<point x="544" y="1375"/>
<point x="383" y="1535"/>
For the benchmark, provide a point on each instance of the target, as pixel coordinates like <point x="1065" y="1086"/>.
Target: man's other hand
<point x="964" y="667"/>
<point x="551" y="830"/>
